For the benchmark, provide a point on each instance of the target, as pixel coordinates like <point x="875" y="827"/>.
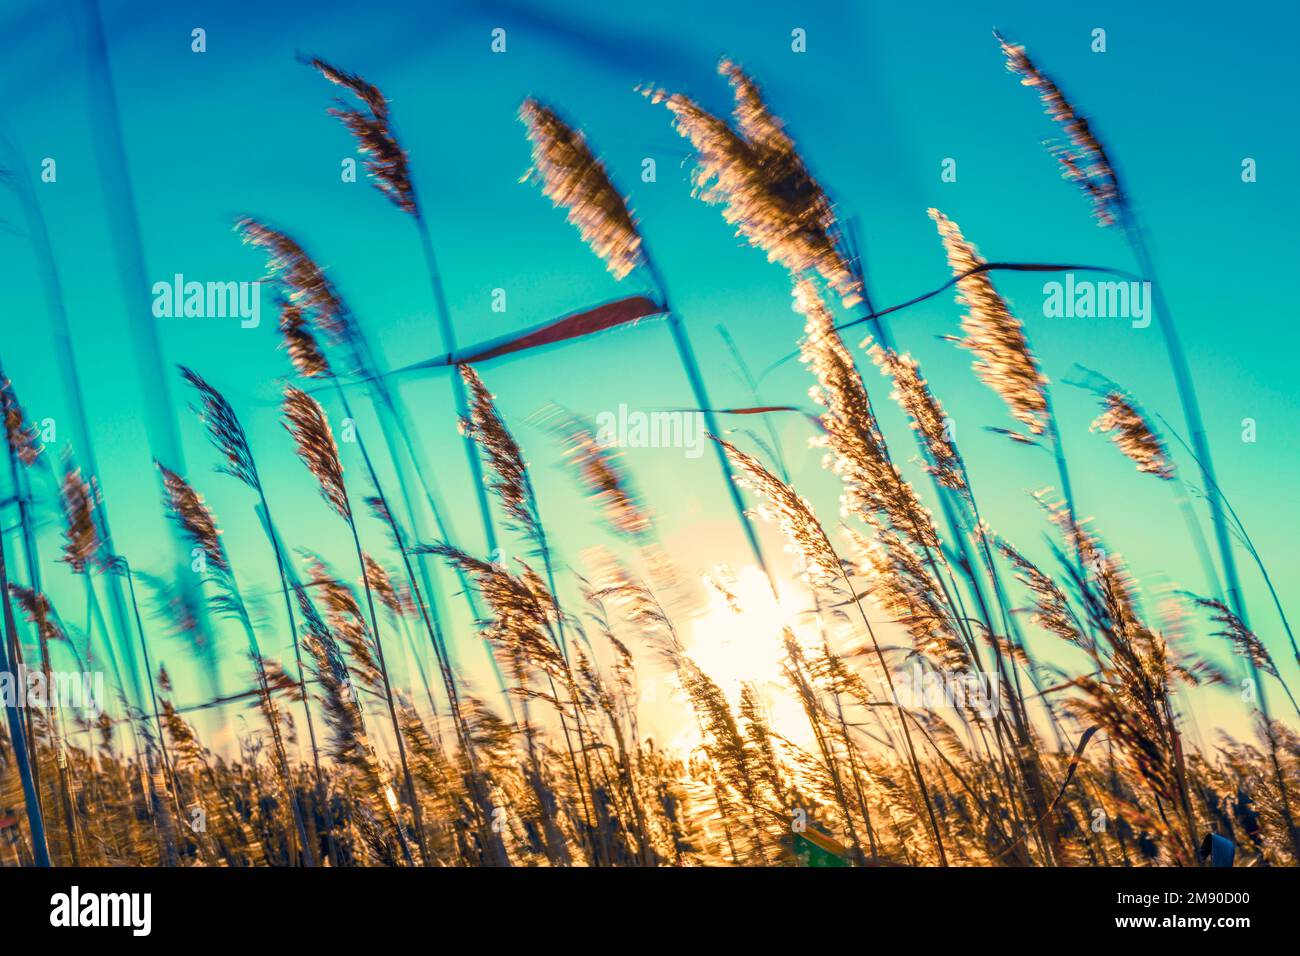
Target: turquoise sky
<point x="884" y="93"/>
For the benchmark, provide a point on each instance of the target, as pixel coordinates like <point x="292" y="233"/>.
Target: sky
<point x="880" y="98"/>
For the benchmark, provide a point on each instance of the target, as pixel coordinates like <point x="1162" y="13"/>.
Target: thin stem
<point x="1190" y="406"/>
<point x="448" y="334"/>
<point x="686" y="355"/>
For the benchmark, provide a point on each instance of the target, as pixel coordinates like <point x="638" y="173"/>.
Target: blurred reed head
<point x="82" y="546"/>
<point x="1082" y="157"/>
<point x="197" y="525"/>
<point x="300" y="344"/>
<point x="306" y="422"/>
<point x="856" y="448"/>
<point x="23" y="439"/>
<point x="793" y="513"/>
<point x="575" y="180"/>
<point x="599" y="471"/>
<point x="928" y="419"/>
<point x="305" y="282"/>
<point x="486" y="427"/>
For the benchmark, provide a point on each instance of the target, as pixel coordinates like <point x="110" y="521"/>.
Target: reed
<point x="314" y="303"/>
<point x="227" y="435"/>
<point x="1086" y="162"/>
<point x="198" y="527"/>
<point x="645" y="720"/>
<point x="389" y="168"/>
<point x="574" y="179"/>
<point x="306" y="422"/>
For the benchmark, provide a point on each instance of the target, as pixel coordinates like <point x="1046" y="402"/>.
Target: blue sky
<point x="884" y="93"/>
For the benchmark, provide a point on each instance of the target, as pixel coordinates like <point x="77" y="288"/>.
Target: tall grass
<point x="1072" y="748"/>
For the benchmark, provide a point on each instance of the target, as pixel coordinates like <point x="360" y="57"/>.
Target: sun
<point x="737" y="640"/>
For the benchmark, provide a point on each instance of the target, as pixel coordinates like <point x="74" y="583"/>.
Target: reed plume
<point x="929" y="421"/>
<point x="82" y="546"/>
<point x="791" y="512"/>
<point x="764" y="187"/>
<point x="600" y="472"/>
<point x="857" y="452"/>
<point x="382" y="585"/>
<point x="372" y="126"/>
<point x="224" y="430"/>
<point x="523" y="619"/>
<point x="307" y="285"/>
<point x="24" y="441"/>
<point x="574" y="179"/>
<point x="37" y="610"/>
<point x="198" y="529"/>
<point x="1052" y="610"/>
<point x="899" y="583"/>
<point x="298" y="341"/>
<point x="1134" y="435"/>
<point x="1003" y="360"/>
<point x="311" y="432"/>
<point x="192" y="516"/>
<point x="1242" y="638"/>
<point x="510" y="474"/>
<point x="1082" y="157"/>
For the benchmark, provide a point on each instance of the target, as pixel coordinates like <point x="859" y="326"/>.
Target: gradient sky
<point x="884" y="93"/>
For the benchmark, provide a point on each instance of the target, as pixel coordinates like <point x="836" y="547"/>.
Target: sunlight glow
<point x="741" y="644"/>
